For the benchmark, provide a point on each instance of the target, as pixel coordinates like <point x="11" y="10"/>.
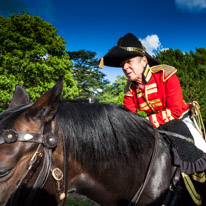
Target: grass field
<point x="75" y="199"/>
<point x="77" y="202"/>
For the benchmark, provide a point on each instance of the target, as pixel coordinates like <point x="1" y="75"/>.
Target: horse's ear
<point x="46" y="106"/>
<point x="20" y="96"/>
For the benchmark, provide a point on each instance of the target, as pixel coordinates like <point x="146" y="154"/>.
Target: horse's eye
<point x="4" y="173"/>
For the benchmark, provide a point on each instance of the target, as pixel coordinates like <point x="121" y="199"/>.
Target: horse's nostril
<point x="4" y="173"/>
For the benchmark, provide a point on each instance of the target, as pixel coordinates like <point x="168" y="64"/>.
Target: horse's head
<point x="22" y="127"/>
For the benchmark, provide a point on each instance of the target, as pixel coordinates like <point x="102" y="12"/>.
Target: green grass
<point x="77" y="202"/>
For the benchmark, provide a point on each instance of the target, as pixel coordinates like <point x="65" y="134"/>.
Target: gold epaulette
<point x="128" y="88"/>
<point x="168" y="71"/>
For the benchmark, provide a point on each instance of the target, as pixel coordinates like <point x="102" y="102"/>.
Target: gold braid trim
<point x="199" y="177"/>
<point x="168" y="71"/>
<point x="134" y="49"/>
<point x="191" y="189"/>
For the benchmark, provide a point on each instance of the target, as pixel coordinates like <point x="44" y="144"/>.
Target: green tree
<point x="114" y="93"/>
<point x="33" y="55"/>
<point x="86" y="72"/>
<point x="191" y="71"/>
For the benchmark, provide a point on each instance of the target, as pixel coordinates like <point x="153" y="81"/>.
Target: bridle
<point x="42" y="156"/>
<point x="155" y="151"/>
<point x="176" y="174"/>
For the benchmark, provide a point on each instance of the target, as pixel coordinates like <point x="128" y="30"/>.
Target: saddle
<point x="189" y="160"/>
<point x="185" y="154"/>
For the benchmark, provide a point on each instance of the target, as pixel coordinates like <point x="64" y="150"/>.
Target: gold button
<point x="10" y="136"/>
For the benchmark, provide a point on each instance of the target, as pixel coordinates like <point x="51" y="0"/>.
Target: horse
<point x="53" y="147"/>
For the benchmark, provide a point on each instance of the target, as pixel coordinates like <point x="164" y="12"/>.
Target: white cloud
<point x="191" y="5"/>
<point x="164" y="49"/>
<point x="151" y="43"/>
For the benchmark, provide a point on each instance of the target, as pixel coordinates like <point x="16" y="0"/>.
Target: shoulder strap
<point x="167" y="70"/>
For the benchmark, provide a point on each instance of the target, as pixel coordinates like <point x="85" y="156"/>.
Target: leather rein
<point x="138" y="194"/>
<point x="42" y="156"/>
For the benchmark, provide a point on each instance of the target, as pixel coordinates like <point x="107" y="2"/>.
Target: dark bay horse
<point x="107" y="150"/>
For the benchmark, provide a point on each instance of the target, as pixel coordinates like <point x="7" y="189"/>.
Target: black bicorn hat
<point x="127" y="46"/>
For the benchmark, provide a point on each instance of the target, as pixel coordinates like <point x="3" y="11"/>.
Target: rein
<point x="137" y="196"/>
<point x="176" y="135"/>
<point x="43" y="155"/>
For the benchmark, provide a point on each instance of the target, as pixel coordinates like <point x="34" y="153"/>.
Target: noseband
<point x="43" y="154"/>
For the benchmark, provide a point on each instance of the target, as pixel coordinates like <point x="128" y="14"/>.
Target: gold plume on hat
<point x="101" y="64"/>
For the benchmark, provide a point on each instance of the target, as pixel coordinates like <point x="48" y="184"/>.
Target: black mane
<point x="103" y="132"/>
<point x="96" y="133"/>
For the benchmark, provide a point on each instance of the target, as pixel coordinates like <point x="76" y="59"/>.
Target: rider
<point x="152" y="87"/>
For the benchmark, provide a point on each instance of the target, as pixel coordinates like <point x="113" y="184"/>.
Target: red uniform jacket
<point x="161" y="98"/>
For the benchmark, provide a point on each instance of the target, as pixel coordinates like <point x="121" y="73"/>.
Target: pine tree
<point x="86" y="72"/>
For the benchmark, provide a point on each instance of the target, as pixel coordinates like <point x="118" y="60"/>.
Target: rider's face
<point x="133" y="68"/>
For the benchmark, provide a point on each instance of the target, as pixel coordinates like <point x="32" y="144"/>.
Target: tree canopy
<point x="32" y="55"/>
<point x="86" y="72"/>
<point x="191" y="71"/>
<point x="114" y="93"/>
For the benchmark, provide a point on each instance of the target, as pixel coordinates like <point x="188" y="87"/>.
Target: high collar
<point x="147" y="74"/>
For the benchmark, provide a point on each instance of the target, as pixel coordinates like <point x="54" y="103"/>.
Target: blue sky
<point x="96" y="25"/>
